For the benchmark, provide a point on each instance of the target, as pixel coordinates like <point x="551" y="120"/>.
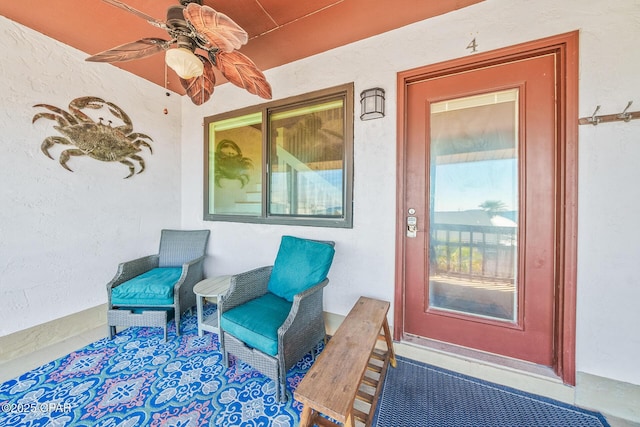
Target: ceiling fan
<point x="194" y="28"/>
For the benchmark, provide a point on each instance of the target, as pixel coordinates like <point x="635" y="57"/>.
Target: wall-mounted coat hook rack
<point x="625" y="116"/>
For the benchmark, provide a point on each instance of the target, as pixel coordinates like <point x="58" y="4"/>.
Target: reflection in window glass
<point x="306" y="162"/>
<point x="235" y="157"/>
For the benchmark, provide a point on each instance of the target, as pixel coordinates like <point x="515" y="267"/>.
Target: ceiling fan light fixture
<point x="184" y="62"/>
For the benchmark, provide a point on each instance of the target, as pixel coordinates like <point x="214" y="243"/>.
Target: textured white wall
<point x="62" y="234"/>
<point x="608" y="291"/>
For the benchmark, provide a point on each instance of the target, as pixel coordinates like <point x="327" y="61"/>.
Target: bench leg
<point x="349" y="421"/>
<point x="305" y="418"/>
<point x="387" y="337"/>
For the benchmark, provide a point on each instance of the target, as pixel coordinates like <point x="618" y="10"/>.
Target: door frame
<point x="565" y="46"/>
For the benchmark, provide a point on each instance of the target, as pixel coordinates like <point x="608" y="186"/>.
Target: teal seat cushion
<point x="155" y="287"/>
<point x="256" y="322"/>
<point x="300" y="264"/>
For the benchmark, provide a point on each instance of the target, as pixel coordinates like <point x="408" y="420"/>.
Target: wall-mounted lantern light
<point x="372" y="104"/>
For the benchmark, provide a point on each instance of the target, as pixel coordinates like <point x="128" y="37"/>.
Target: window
<point x="285" y="162"/>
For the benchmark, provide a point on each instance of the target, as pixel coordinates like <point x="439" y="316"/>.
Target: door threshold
<point x="484" y="357"/>
<point x="506" y="371"/>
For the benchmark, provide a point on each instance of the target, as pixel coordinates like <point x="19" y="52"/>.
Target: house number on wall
<point x="473" y="45"/>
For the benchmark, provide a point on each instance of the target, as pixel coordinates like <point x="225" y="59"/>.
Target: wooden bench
<point x="349" y="368"/>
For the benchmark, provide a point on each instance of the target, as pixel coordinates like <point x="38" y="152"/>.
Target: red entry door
<point x="481" y="208"/>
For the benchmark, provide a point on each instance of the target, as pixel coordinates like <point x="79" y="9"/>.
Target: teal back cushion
<point x="300" y="264"/>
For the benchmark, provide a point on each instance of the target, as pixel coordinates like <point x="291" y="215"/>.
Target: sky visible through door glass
<point x="465" y="186"/>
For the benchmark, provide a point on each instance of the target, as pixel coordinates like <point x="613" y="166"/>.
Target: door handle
<point x="412" y="226"/>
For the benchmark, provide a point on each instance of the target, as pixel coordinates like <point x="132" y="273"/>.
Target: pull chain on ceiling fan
<point x="192" y="28"/>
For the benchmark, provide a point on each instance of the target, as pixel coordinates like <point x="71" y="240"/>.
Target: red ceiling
<point x="280" y="31"/>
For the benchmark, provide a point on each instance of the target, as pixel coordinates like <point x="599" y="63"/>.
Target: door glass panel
<point x="474" y="206"/>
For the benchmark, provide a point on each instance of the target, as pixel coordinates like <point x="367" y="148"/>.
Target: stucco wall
<point x="364" y="264"/>
<point x="62" y="234"/>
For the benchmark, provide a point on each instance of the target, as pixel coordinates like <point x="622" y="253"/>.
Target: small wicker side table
<point x="214" y="287"/>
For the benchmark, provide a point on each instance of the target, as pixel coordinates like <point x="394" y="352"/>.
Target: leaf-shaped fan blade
<point x="130" y="51"/>
<point x="150" y="19"/>
<point x="215" y="27"/>
<point x="200" y="88"/>
<point x="242" y="72"/>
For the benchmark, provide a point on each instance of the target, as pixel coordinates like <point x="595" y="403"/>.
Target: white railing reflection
<point x="485" y="253"/>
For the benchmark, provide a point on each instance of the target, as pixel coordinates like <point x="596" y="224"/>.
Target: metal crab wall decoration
<point x="99" y="141"/>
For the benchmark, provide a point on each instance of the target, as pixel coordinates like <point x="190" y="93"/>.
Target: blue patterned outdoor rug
<point x="137" y="380"/>
<point x="415" y="394"/>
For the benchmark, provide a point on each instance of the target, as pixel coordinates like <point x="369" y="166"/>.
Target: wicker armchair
<point x="271" y="323"/>
<point x="146" y="289"/>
